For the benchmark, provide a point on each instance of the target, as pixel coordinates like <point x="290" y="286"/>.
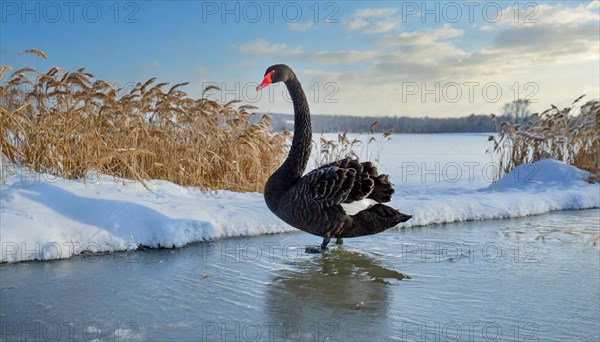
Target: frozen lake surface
<point x="524" y="279"/>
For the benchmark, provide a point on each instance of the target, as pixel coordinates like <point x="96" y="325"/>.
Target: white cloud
<point x="300" y="25"/>
<point x="323" y="76"/>
<point x="421" y="37"/>
<point x="342" y="57"/>
<point x="312" y="72"/>
<point x="373" y="20"/>
<point x="357" y="24"/>
<point x="532" y="14"/>
<point x="383" y="26"/>
<point x="561" y="34"/>
<point x="514" y="49"/>
<point x="434" y="54"/>
<point x="263" y="47"/>
<point x="374" y="12"/>
<point x="552" y="54"/>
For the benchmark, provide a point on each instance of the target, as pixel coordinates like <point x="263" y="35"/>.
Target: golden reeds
<point x="555" y="133"/>
<point x="330" y="150"/>
<point x="69" y="123"/>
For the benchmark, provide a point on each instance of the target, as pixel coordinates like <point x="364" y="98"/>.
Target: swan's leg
<point x="339" y="241"/>
<point x="325" y="242"/>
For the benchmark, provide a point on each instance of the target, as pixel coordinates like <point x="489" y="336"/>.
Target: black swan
<point x="341" y="199"/>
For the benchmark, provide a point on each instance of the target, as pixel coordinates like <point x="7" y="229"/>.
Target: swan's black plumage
<point x="313" y="202"/>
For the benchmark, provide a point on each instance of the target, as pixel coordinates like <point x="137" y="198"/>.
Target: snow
<point x="44" y="217"/>
<point x="547" y="172"/>
<point x="59" y="218"/>
<point x="529" y="189"/>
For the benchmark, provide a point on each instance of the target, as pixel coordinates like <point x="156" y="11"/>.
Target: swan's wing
<point x="345" y="181"/>
<point x="328" y="185"/>
<point x="368" y="183"/>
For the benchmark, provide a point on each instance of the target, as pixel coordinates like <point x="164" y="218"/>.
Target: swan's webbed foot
<point x="317" y="250"/>
<point x="314" y="250"/>
<point x="339" y="241"/>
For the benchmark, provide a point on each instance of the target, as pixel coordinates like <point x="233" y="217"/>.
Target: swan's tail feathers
<point x="382" y="190"/>
<point x="388" y="214"/>
<point x="376" y="219"/>
<point x="361" y="188"/>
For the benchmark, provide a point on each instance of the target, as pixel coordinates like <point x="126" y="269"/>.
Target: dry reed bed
<point x="330" y="150"/>
<point x="555" y="133"/>
<point x="69" y="123"/>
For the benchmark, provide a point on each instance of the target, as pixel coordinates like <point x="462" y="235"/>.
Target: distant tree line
<point x="400" y="124"/>
<point x="516" y="111"/>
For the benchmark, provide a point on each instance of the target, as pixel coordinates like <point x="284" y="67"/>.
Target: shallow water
<point x="533" y="278"/>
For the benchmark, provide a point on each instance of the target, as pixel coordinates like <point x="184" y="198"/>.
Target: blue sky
<point x="411" y="58"/>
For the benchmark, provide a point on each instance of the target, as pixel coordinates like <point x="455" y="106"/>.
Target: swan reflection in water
<point x="338" y="295"/>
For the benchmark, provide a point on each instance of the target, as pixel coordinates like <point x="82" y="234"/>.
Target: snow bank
<point x="44" y="218"/>
<point x="47" y="218"/>
<point x="530" y="189"/>
<point x="543" y="174"/>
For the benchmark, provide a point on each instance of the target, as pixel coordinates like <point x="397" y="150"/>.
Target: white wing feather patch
<point x="355" y="207"/>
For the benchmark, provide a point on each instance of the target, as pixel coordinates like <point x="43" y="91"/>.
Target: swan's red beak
<point x="266" y="81"/>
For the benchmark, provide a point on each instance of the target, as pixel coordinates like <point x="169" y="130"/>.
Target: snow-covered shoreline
<point x="44" y="218"/>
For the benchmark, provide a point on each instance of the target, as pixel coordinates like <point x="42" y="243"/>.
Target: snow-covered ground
<point x="439" y="179"/>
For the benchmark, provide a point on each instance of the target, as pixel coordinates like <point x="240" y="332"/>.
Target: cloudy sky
<point x="412" y="58"/>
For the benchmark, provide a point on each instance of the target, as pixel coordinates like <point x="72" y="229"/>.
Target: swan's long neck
<point x="299" y="153"/>
<point x="293" y="167"/>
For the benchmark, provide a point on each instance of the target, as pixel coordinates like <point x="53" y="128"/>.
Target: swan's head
<point x="276" y="73"/>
